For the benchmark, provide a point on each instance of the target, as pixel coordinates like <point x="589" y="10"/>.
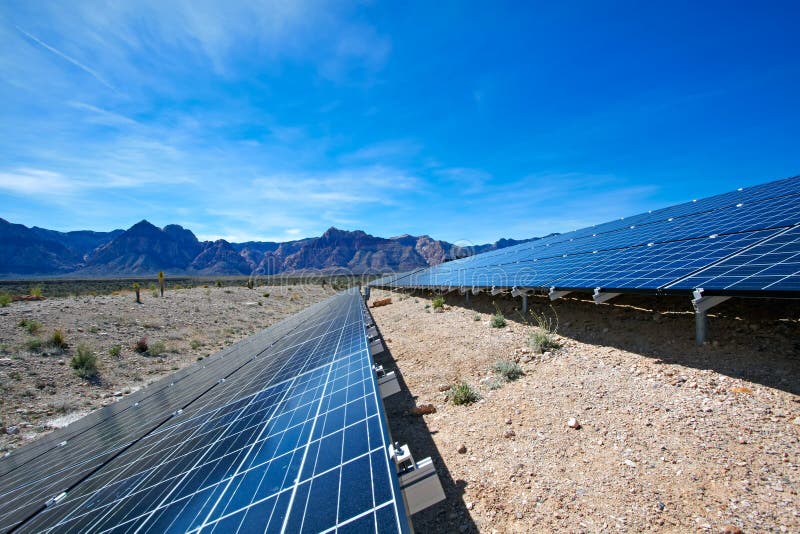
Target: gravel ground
<point x="672" y="437"/>
<point x="39" y="390"/>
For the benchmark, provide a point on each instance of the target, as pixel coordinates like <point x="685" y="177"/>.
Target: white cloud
<point x="36" y="182"/>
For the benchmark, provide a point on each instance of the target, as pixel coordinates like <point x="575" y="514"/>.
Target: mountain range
<point x="147" y="249"/>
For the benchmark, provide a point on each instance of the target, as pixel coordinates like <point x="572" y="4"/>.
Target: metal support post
<point x="701" y="306"/>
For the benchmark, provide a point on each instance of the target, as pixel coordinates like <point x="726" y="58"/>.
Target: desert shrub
<point x="498" y="320"/>
<point x="30" y="325"/>
<point x="477" y="317"/>
<point x="36" y="291"/>
<point x="463" y="393"/>
<point x="427" y="306"/>
<point x="495" y="382"/>
<point x="115" y="351"/>
<point x="219" y="283"/>
<point x="34" y="344"/>
<point x="5" y="299"/>
<point x="542" y="338"/>
<point x="438" y="302"/>
<point x="507" y="369"/>
<point x="195" y="344"/>
<point x="157" y="348"/>
<point x="57" y="340"/>
<point x="84" y="362"/>
<point x="141" y="346"/>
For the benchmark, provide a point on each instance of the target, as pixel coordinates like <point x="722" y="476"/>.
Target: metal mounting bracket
<point x="496" y="291"/>
<point x="555" y="295"/>
<point x="601" y="297"/>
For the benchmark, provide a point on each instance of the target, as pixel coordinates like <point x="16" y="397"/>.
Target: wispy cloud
<point x="88" y="70"/>
<point x="36" y="182"/>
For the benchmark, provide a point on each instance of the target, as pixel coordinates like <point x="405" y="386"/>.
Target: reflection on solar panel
<point x="739" y="242"/>
<point x="282" y="432"/>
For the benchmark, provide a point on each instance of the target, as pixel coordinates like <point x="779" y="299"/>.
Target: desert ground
<point x="39" y="391"/>
<point x="672" y="437"/>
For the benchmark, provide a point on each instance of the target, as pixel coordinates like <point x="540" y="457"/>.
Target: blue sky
<point x="465" y="121"/>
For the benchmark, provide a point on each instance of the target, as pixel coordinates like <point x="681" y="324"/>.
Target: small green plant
<point x="427" y="306"/>
<point x="195" y="344"/>
<point x="266" y="295"/>
<point x="57" y="340"/>
<point x="5" y="299"/>
<point x="508" y="370"/>
<point x="115" y="351"/>
<point x="36" y="291"/>
<point x="157" y="348"/>
<point x="34" y="344"/>
<point x="141" y="346"/>
<point x="30" y="325"/>
<point x="463" y="393"/>
<point x="438" y="303"/>
<point x="498" y="319"/>
<point x="136" y="289"/>
<point x="219" y="283"/>
<point x="477" y="317"/>
<point x="542" y="338"/>
<point x="84" y="362"/>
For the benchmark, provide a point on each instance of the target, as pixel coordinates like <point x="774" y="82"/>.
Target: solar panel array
<point x="743" y="241"/>
<point x="283" y="432"/>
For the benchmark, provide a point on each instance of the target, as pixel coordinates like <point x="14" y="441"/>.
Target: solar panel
<point x="649" y="251"/>
<point x="773" y="265"/>
<point x="291" y="438"/>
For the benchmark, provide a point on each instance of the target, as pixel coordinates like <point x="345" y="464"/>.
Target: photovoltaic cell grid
<point x="654" y="251"/>
<point x="294" y="440"/>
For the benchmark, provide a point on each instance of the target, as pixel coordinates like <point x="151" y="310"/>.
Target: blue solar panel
<point x="645" y="252"/>
<point x="293" y="439"/>
<point x="773" y="265"/>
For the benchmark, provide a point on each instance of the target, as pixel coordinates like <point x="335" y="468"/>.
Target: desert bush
<point x="463" y="393"/>
<point x="115" y="351"/>
<point x="5" y="299"/>
<point x="438" y="302"/>
<point x="36" y="291"/>
<point x="30" y="325"/>
<point x="57" y="340"/>
<point x="219" y="283"/>
<point x="195" y="344"/>
<point x="498" y="320"/>
<point x="507" y="369"/>
<point x="84" y="362"/>
<point x="477" y="317"/>
<point x="141" y="346"/>
<point x="542" y="338"/>
<point x="157" y="348"/>
<point x="34" y="344"/>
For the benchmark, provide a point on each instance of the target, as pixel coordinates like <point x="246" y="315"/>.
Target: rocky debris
<point x="462" y="449"/>
<point x="11" y="430"/>
<point x="703" y="454"/>
<point x="423" y="409"/>
<point x="573" y="423"/>
<point x="731" y="529"/>
<point x="443" y="387"/>
<point x="381" y="302"/>
<point x="509" y="433"/>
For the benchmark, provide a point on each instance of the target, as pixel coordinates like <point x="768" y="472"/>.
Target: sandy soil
<point x="672" y="437"/>
<point x="39" y="390"/>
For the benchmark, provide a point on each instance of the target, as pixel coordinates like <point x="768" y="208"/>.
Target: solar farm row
<point x="743" y="241"/>
<point x="283" y="432"/>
